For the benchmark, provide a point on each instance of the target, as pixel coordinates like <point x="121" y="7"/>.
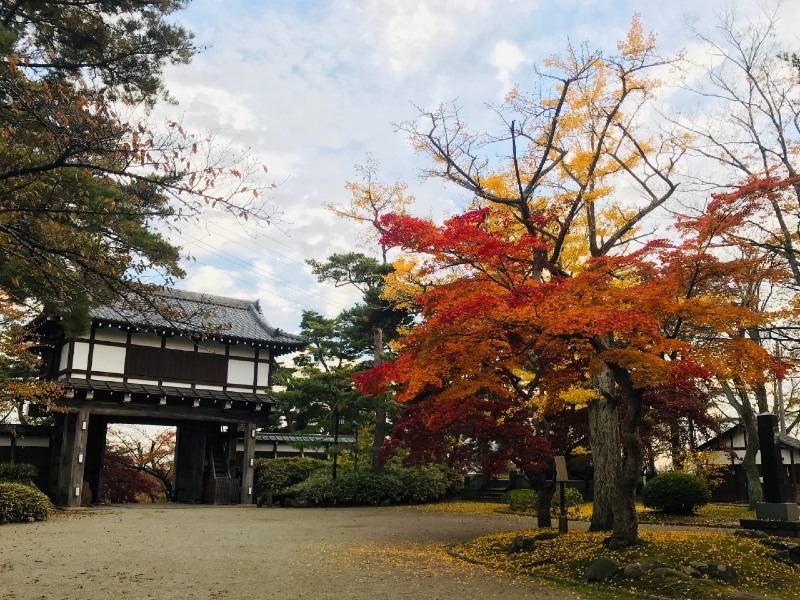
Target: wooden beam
<point x="248" y="458"/>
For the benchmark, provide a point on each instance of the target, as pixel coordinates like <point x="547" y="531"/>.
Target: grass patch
<point x="566" y="558"/>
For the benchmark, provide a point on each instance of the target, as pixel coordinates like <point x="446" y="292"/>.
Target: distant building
<point x="729" y="448"/>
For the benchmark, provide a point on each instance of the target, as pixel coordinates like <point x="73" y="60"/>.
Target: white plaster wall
<point x="217" y="388"/>
<point x="106" y="378"/>
<point x="80" y="358"/>
<point x="108" y="358"/>
<point x="62" y="363"/>
<point x="108" y="334"/>
<point x="242" y="351"/>
<point x="211" y="347"/>
<point x="263" y="374"/>
<point x="241" y="372"/>
<point x="177" y="385"/>
<point x="146" y="338"/>
<point x="180" y="343"/>
<point x="144" y="381"/>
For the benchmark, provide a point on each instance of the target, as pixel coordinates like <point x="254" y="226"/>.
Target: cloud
<point x="506" y="57"/>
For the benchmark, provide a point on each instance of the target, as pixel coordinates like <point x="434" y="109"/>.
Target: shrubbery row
<point x="311" y="480"/>
<point x="394" y="486"/>
<point x="17" y="472"/>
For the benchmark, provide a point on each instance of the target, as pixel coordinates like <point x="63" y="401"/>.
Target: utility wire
<point x="230" y="258"/>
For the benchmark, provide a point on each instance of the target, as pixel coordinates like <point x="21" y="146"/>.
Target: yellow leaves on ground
<point x="566" y="557"/>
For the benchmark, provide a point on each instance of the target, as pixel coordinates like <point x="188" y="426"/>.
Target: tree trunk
<point x="755" y="493"/>
<point x="544" y="486"/>
<point x="626" y="524"/>
<point x="380" y="412"/>
<point x="604" y="441"/>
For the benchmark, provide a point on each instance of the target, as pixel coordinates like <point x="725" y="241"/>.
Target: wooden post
<point x="248" y="456"/>
<point x="95" y="456"/>
<point x="73" y="459"/>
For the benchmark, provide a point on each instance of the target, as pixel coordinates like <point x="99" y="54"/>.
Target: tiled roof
<point x="302" y="438"/>
<point x="193" y="313"/>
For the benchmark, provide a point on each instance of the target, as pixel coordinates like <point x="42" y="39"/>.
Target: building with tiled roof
<point x="199" y="362"/>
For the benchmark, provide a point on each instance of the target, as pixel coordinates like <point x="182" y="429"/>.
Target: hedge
<point x="22" y="504"/>
<point x="17" y="472"/>
<point x="277" y="474"/>
<point x="394" y="486"/>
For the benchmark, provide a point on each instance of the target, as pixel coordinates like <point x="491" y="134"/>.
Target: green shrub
<point x="21" y="504"/>
<point x="425" y="484"/>
<point x="521" y="500"/>
<point x="277" y="474"/>
<point x="526" y="500"/>
<point x="675" y="493"/>
<point x="394" y="486"/>
<point x="17" y="472"/>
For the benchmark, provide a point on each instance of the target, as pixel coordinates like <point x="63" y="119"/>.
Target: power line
<point x="228" y="257"/>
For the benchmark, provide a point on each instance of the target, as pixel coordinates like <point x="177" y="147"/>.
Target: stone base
<point x="773" y="511"/>
<point x="779" y="528"/>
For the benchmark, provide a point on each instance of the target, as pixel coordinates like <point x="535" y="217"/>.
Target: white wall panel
<point x="146" y="338"/>
<point x="109" y="334"/>
<point x="180" y="343"/>
<point x="243" y="351"/>
<point x="62" y="363"/>
<point x="263" y="374"/>
<point x="80" y="359"/>
<point x="241" y="372"/>
<point x="211" y="347"/>
<point x="108" y="358"/>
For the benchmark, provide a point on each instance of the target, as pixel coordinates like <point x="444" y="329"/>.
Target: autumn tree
<point x="568" y="146"/>
<point x="145" y="451"/>
<point x="661" y="319"/>
<point x="19" y="367"/>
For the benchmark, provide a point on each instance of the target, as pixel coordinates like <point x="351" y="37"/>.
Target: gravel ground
<point x="203" y="552"/>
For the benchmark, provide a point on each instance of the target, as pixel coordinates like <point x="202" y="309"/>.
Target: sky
<point x="311" y="87"/>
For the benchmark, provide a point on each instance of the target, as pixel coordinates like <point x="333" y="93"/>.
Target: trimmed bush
<point x="675" y="493"/>
<point x="22" y="504"/>
<point x="525" y="500"/>
<point x="17" y="472"/>
<point x="277" y="474"/>
<point x="426" y="484"/>
<point x="394" y="486"/>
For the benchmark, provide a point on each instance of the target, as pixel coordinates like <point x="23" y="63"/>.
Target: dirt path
<point x="234" y="552"/>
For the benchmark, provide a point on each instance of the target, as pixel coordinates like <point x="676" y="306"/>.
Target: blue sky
<point x="310" y="87"/>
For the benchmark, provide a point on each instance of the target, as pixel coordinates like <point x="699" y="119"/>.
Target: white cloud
<point x="506" y="57"/>
<point x="311" y="87"/>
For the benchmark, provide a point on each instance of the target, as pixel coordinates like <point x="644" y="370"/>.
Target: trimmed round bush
<point x="675" y="493"/>
<point x="17" y="472"/>
<point x="22" y="504"/>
